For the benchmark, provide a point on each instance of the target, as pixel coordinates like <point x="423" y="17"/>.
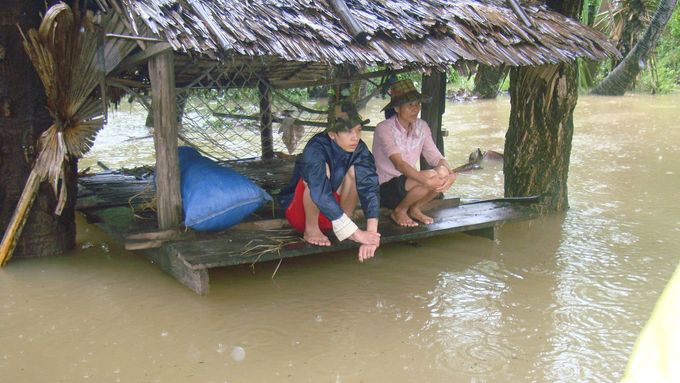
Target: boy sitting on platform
<point x="334" y="172"/>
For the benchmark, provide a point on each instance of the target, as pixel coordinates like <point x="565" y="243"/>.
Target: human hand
<point x="448" y="181"/>
<point x="366" y="237"/>
<point x="366" y="252"/>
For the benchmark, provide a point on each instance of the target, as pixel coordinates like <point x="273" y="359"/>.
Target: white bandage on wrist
<point x="344" y="227"/>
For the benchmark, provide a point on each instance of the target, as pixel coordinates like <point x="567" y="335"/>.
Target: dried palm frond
<point x="274" y="242"/>
<point x="72" y="60"/>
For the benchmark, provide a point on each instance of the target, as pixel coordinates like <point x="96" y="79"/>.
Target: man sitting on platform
<point x="334" y="172"/>
<point x="398" y="143"/>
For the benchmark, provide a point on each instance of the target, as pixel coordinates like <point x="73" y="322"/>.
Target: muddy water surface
<point x="557" y="299"/>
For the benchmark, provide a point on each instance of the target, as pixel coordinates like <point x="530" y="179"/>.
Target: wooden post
<point x="169" y="199"/>
<point x="266" y="136"/>
<point x="434" y="86"/>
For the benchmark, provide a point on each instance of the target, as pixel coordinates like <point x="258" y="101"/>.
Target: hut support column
<point x="266" y="136"/>
<point x="162" y="75"/>
<point x="434" y="86"/>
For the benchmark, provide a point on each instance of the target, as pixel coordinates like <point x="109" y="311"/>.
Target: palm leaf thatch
<point x="72" y="60"/>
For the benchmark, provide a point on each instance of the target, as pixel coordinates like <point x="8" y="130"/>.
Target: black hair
<point x="389" y="112"/>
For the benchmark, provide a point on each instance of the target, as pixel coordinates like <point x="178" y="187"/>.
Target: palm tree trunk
<point x="538" y="141"/>
<point x="618" y="80"/>
<point x="23" y="117"/>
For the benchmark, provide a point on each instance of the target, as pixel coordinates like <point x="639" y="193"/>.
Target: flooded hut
<point x="198" y="59"/>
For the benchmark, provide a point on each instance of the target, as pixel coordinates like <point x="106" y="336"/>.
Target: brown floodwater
<point x="557" y="299"/>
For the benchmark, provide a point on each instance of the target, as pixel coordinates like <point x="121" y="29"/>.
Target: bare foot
<point x="316" y="238"/>
<point x="402" y="219"/>
<point x="418" y="215"/>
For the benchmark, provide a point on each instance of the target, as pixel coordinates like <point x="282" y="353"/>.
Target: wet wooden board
<point x="105" y="200"/>
<point x="247" y="247"/>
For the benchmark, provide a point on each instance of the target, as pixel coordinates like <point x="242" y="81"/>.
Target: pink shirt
<point x="391" y="138"/>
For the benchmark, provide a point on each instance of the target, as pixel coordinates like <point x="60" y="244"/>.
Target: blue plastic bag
<point x="215" y="197"/>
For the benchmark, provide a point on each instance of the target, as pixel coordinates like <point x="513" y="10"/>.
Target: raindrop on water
<point x="238" y="353"/>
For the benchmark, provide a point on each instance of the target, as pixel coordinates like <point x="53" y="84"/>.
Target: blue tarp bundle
<point x="215" y="197"/>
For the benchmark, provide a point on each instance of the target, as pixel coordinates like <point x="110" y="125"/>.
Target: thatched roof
<point x="399" y="33"/>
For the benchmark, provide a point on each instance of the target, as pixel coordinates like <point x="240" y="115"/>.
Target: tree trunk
<point x="538" y="141"/>
<point x="634" y="14"/>
<point x="23" y="117"/>
<point x="618" y="80"/>
<point x="488" y="80"/>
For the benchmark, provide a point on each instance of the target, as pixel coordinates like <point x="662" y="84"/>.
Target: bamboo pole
<point x="16" y="224"/>
<point x="345" y="15"/>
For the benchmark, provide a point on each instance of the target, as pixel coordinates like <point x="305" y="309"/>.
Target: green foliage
<point x="587" y="5"/>
<point x="662" y="68"/>
<point x="662" y="74"/>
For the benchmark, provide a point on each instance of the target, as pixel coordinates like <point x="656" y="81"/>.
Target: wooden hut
<point x="270" y="45"/>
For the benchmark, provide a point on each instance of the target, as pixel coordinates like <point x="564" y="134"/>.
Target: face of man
<point x="348" y="140"/>
<point x="408" y="112"/>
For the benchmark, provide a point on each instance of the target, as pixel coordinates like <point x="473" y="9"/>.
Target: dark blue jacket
<point x="311" y="166"/>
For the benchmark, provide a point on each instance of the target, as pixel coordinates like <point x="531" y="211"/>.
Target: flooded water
<point x="558" y="299"/>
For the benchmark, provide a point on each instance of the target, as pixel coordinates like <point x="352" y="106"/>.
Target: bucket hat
<point x="403" y="92"/>
<point x="346" y="118"/>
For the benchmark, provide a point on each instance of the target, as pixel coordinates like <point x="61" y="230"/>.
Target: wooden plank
<point x="169" y="199"/>
<point x="230" y="248"/>
<point x="197" y="279"/>
<point x="151" y="240"/>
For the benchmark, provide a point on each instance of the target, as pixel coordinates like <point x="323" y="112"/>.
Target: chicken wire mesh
<point x="221" y="115"/>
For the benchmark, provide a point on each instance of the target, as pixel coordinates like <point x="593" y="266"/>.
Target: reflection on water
<point x="557" y="299"/>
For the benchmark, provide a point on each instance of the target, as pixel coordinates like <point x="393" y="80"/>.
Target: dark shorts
<point x="392" y="192"/>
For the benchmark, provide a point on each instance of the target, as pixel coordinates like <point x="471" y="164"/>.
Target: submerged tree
<point x="619" y="80"/>
<point x="538" y="141"/>
<point x="72" y="62"/>
<point x="488" y="80"/>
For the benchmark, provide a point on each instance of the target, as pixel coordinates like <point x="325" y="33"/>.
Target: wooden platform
<point x="189" y="255"/>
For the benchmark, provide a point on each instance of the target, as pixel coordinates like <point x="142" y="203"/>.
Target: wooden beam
<point x="136" y="38"/>
<point x="367" y="128"/>
<point x="162" y="75"/>
<point x="336" y="80"/>
<point x="266" y="135"/>
<point x="434" y="85"/>
<point x="143" y="56"/>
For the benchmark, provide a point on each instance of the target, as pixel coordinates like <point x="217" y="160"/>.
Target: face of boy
<point x="348" y="140"/>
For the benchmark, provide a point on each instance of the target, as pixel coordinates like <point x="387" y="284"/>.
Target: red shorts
<point x="295" y="214"/>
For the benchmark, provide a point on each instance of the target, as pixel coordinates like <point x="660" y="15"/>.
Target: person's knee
<point x="349" y="182"/>
<point x="350" y="176"/>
